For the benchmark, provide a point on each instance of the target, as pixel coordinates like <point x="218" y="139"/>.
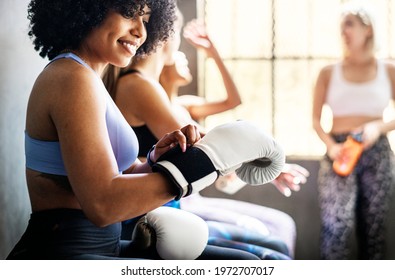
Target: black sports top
<point x="145" y="139"/>
<point x="144" y="136"/>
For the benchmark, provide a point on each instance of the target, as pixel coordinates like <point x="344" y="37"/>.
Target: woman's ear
<point x="369" y="35"/>
<point x="370" y="32"/>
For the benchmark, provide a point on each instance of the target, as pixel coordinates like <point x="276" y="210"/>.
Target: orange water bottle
<point x="350" y="154"/>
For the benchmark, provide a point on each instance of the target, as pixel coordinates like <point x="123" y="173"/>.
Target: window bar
<point x="273" y="68"/>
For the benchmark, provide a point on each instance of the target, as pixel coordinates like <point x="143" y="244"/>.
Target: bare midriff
<point x="349" y="123"/>
<point x="46" y="194"/>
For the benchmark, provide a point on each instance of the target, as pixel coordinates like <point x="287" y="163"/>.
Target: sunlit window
<point x="274" y="50"/>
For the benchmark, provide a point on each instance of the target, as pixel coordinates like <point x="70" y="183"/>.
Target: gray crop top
<point x="46" y="156"/>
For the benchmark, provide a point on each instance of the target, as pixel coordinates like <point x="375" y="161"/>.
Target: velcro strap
<point x="187" y="170"/>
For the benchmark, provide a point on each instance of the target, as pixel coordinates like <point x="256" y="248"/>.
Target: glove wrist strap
<point x="149" y="161"/>
<point x="189" y="171"/>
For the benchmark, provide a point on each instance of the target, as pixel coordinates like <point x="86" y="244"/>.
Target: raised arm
<point x="195" y="33"/>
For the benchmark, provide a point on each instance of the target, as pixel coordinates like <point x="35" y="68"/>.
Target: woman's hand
<point x="370" y="134"/>
<point x="290" y="178"/>
<point x="184" y="137"/>
<point x="195" y="33"/>
<point x="335" y="151"/>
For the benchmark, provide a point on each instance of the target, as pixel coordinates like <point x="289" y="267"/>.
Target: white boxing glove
<point x="237" y="146"/>
<point x="176" y="234"/>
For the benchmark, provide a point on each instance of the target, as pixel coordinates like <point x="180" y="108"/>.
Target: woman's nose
<point x="138" y="28"/>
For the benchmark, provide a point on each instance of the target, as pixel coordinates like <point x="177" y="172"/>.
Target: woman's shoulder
<point x="326" y="71"/>
<point x="128" y="78"/>
<point x="388" y="63"/>
<point x="389" y="66"/>
<point x="134" y="84"/>
<point x="137" y="87"/>
<point x="67" y="79"/>
<point x="330" y="67"/>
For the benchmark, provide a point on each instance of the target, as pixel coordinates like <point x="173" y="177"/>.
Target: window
<point x="274" y="50"/>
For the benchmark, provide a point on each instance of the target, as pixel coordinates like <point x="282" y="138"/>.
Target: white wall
<point x="19" y="66"/>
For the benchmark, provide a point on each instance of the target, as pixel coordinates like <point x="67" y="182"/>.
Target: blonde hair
<point x="366" y="14"/>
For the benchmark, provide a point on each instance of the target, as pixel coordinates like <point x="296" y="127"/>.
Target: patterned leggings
<point x="361" y="199"/>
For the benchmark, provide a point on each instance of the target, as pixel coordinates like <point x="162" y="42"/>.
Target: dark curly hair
<point x="56" y="25"/>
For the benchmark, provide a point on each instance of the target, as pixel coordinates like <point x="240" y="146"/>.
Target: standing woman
<point x="82" y="171"/>
<point x="357" y="89"/>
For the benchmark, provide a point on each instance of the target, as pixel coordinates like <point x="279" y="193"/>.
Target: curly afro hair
<point x="56" y="25"/>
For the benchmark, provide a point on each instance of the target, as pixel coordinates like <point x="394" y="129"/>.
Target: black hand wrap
<point x="189" y="171"/>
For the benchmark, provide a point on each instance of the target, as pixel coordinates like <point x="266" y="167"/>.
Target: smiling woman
<point x="72" y="124"/>
<point x="82" y="171"/>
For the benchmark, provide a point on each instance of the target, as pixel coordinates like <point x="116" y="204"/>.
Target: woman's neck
<point x="95" y="64"/>
<point x="171" y="90"/>
<point x="360" y="62"/>
<point x="360" y="58"/>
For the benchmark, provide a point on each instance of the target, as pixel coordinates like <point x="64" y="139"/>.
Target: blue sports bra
<point x="46" y="156"/>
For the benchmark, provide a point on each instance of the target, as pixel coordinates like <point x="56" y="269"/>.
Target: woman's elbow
<point x="235" y="103"/>
<point x="316" y="124"/>
<point x="101" y="214"/>
<point x="99" y="218"/>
